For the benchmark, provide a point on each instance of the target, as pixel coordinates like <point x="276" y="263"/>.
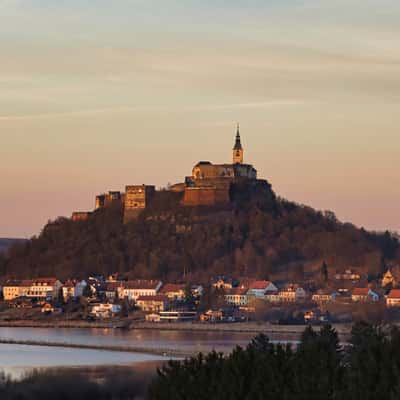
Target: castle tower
<point x="237" y="149"/>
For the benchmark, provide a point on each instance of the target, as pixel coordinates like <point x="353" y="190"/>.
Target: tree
<point x="189" y="298"/>
<point x="87" y="291"/>
<point x="324" y="272"/>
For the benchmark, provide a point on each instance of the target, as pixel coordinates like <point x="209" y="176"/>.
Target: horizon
<point x="96" y="96"/>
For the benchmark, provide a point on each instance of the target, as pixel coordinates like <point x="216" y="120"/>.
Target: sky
<point x="96" y="95"/>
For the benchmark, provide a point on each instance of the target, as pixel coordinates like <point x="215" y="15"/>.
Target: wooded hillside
<point x="255" y="236"/>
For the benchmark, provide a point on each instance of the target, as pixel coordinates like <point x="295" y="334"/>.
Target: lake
<point x="16" y="359"/>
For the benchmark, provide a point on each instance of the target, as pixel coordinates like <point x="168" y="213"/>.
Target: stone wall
<point x="80" y="215"/>
<point x="205" y="196"/>
<point x="137" y="198"/>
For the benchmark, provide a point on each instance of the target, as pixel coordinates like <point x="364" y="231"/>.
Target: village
<point x="347" y="297"/>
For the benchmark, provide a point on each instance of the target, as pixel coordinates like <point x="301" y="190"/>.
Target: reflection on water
<point x="17" y="359"/>
<point x="145" y="338"/>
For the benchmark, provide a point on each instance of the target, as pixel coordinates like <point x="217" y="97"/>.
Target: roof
<point x="259" y="284"/>
<point x="47" y="281"/>
<point x="236" y="291"/>
<point x="157" y="297"/>
<point x="141" y="284"/>
<point x="238" y="145"/>
<point x="360" y="291"/>
<point x="172" y="287"/>
<point x="112" y="286"/>
<point x="394" y="294"/>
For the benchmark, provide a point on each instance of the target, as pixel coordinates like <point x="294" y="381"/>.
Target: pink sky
<point x="93" y="99"/>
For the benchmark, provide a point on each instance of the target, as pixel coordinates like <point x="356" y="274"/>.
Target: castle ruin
<point x="209" y="184"/>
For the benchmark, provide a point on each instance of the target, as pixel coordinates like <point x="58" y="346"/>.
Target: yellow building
<point x="14" y="289"/>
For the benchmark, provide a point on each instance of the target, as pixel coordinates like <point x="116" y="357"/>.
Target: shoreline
<point x="238" y="327"/>
<point x="163" y="352"/>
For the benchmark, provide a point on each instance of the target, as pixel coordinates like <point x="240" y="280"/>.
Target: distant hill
<point x="258" y="235"/>
<point x="5" y="243"/>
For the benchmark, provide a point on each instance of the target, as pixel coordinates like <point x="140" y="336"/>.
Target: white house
<point x="258" y="288"/>
<point x="105" y="310"/>
<point x="153" y="303"/>
<point x="393" y="298"/>
<point x="73" y="289"/>
<point x="364" y="294"/>
<point x="272" y="296"/>
<point x="292" y="293"/>
<point x="134" y="289"/>
<point x="237" y="297"/>
<point x="174" y="291"/>
<point x="323" y="296"/>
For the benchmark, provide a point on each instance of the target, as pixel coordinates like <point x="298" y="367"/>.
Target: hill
<point x="257" y="235"/>
<point x="5" y="243"/>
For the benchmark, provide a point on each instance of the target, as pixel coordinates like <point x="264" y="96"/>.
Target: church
<point x="211" y="183"/>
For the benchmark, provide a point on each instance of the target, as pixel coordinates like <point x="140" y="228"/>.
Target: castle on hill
<point x="209" y="184"/>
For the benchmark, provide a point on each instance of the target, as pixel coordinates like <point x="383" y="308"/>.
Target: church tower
<point x="237" y="149"/>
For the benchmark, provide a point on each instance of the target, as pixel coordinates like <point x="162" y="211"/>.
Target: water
<point x="17" y="359"/>
<point x="188" y="341"/>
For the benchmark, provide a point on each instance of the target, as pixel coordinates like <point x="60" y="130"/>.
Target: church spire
<point x="237" y="148"/>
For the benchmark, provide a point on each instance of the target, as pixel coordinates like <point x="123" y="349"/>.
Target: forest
<point x="321" y="368"/>
<point x="261" y="237"/>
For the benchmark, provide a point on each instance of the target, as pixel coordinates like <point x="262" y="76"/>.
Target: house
<point x="393" y="298"/>
<point x="323" y="296"/>
<point x="73" y="289"/>
<point x="174" y="291"/>
<point x="171" y="316"/>
<point x="292" y="293"/>
<point x="218" y="316"/>
<point x="43" y="288"/>
<point x="212" y="316"/>
<point x="48" y="308"/>
<point x="237" y="297"/>
<point x="222" y="283"/>
<point x="40" y="288"/>
<point x="347" y="275"/>
<point x="15" y="289"/>
<point x="104" y="310"/>
<point x="272" y="296"/>
<point x="258" y="288"/>
<point x="132" y="290"/>
<point x="111" y="290"/>
<point x="153" y="303"/>
<point x="152" y="317"/>
<point x="364" y="294"/>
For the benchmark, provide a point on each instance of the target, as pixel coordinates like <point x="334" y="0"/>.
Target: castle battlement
<point x="209" y="184"/>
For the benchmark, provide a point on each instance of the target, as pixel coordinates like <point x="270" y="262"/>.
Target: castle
<point x="209" y="184"/>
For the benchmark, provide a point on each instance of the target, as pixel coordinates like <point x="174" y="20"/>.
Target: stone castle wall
<point x="137" y="198"/>
<point x="205" y="196"/>
<point x="80" y="215"/>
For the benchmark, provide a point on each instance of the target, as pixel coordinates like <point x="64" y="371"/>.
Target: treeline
<point x="320" y="369"/>
<point x="247" y="238"/>
<point x="67" y="384"/>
